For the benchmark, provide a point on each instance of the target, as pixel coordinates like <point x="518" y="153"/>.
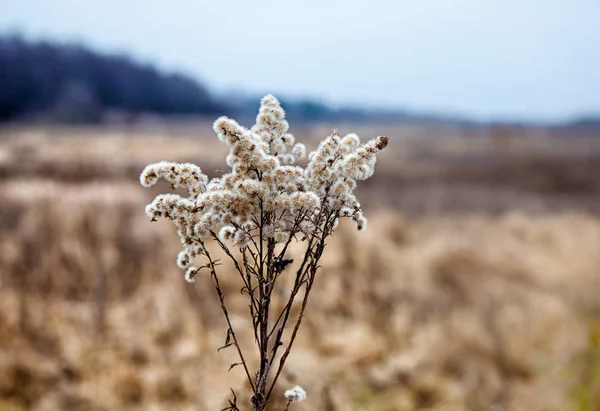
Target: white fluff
<point x="264" y="178"/>
<point x="295" y="394"/>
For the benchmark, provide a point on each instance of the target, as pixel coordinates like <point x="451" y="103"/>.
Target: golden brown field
<point x="475" y="287"/>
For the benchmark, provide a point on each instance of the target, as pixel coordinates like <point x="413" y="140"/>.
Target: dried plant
<point x="253" y="213"/>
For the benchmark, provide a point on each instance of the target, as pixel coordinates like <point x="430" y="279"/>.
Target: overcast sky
<point x="511" y="59"/>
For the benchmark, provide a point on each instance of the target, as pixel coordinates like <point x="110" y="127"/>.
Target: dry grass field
<point x="475" y="287"/>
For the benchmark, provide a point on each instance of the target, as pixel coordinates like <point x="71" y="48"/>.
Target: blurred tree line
<point x="62" y="82"/>
<point x="67" y="83"/>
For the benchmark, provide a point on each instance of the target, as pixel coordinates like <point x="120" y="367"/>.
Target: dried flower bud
<point x="381" y="142"/>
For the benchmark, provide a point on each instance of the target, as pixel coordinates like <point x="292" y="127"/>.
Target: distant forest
<point x="57" y="82"/>
<point x="42" y="81"/>
<point x="72" y="83"/>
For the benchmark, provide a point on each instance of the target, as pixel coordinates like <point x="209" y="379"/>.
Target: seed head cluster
<point x="265" y="180"/>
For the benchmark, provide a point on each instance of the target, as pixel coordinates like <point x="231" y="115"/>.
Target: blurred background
<point x="476" y="285"/>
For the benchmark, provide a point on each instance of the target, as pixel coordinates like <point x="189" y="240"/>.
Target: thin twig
<point x="213" y="273"/>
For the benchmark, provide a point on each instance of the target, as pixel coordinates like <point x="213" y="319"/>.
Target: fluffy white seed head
<point x="295" y="394"/>
<point x="299" y="151"/>
<point x="226" y="233"/>
<point x="264" y="178"/>
<point x="178" y="174"/>
<point x="184" y="259"/>
<point x="190" y="274"/>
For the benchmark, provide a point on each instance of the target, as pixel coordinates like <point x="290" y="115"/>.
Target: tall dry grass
<point x="437" y="306"/>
